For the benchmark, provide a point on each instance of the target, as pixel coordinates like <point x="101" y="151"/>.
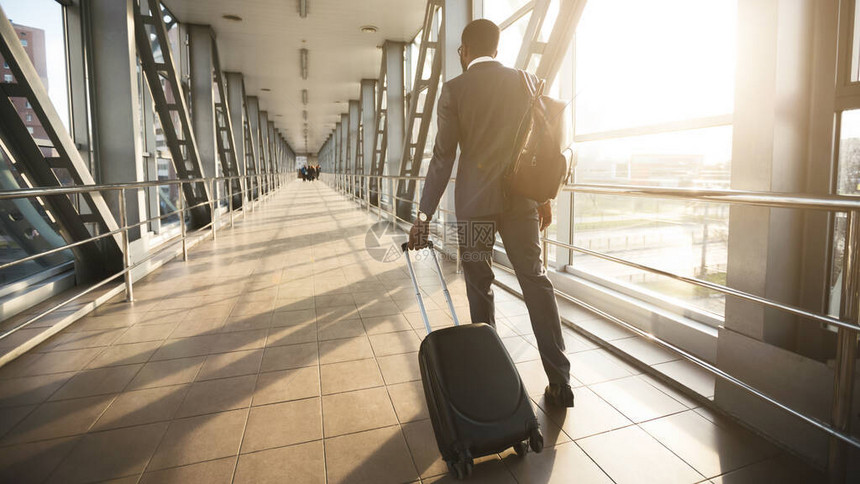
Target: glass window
<point x="658" y="62"/>
<point x="8" y="78"/>
<point x="41" y="21"/>
<point x="652" y="110"/>
<point x="849" y="154"/>
<point x="499" y="10"/>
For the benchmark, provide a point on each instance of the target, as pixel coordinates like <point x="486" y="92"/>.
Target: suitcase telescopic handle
<point x="405" y="248"/>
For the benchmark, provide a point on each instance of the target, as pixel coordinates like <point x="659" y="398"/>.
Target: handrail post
<point x="230" y="199"/>
<point x="846" y="348"/>
<point x="212" y="198"/>
<point x="182" y="228"/>
<point x="126" y="253"/>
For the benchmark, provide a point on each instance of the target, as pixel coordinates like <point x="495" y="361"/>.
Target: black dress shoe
<point x="559" y="395"/>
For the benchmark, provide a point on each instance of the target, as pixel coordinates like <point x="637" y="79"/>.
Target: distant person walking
<point x="480" y="111"/>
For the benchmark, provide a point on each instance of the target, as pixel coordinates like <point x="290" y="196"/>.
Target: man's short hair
<point x="481" y="36"/>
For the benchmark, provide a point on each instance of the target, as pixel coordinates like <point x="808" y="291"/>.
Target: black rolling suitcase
<point x="477" y="402"/>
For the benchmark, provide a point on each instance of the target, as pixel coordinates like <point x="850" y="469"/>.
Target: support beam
<point x="203" y="107"/>
<point x="352" y="148"/>
<point x="116" y="105"/>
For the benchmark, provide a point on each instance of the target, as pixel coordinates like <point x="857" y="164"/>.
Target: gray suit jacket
<point x="480" y="110"/>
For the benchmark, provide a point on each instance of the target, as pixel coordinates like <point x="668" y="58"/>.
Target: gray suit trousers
<point x="519" y="229"/>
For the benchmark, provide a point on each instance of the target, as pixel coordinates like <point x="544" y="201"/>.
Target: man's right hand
<point x="418" y="235"/>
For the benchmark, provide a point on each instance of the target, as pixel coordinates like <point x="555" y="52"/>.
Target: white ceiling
<point x="265" y="45"/>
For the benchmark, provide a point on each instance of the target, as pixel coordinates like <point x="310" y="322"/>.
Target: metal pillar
<point x="203" y="107"/>
<point x="368" y="129"/>
<point x="116" y="103"/>
<point x="352" y="147"/>
<point x="253" y="105"/>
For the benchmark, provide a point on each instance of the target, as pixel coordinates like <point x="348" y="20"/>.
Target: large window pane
<point x="642" y="63"/>
<point x="683" y="237"/>
<point x="39" y="25"/>
<point x="698" y="158"/>
<point x="654" y="94"/>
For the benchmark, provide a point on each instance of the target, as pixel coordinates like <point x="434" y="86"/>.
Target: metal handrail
<point x="847" y="324"/>
<point x="276" y="180"/>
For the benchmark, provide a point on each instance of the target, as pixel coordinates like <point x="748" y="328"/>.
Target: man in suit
<point x="480" y="111"/>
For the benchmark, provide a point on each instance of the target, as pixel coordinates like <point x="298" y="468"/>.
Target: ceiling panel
<point x="265" y="45"/>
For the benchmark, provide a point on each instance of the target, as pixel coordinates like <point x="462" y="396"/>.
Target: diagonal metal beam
<point x="170" y="104"/>
<point x="45" y="165"/>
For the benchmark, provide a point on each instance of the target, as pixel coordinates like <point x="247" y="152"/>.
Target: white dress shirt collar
<point x="478" y="60"/>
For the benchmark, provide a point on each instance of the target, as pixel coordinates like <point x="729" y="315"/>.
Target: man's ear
<point x="495" y="53"/>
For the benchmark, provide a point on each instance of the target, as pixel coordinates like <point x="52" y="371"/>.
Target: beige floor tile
<point x="299" y="464"/>
<point x="26" y="463"/>
<point x="409" y="402"/>
<point x="558" y="465"/>
<point x="337" y="313"/>
<point x="30" y="389"/>
<point x="185" y="347"/>
<point x="287" y="357"/>
<point x="379" y="309"/>
<point x="333" y="300"/>
<point x="386" y="324"/>
<point x="399" y="368"/>
<point x="437" y="318"/>
<point x="9" y="417"/>
<point x="287" y="318"/>
<point x="341" y="417"/>
<point x="591" y="415"/>
<point x="197" y="327"/>
<point x="708" y="448"/>
<point x="126" y="354"/>
<point x="347" y="349"/>
<point x="211" y="472"/>
<point x="218" y="395"/>
<point x="283" y="424"/>
<point x="247" y="323"/>
<point x="596" y="366"/>
<point x="349" y="376"/>
<point x="236" y="363"/>
<point x="425" y="451"/>
<point x="148" y="332"/>
<point x="351" y="328"/>
<point x="293" y="303"/>
<point x="374" y="457"/>
<point x="394" y="343"/>
<point x="293" y="334"/>
<point x="97" y="382"/>
<point x="199" y="439"/>
<point x="106" y="455"/>
<point x="61" y="361"/>
<point x="280" y="386"/>
<point x="782" y="469"/>
<point x="239" y="341"/>
<point x="520" y="349"/>
<point x="630" y="455"/>
<point x="142" y="407"/>
<point x="82" y="340"/>
<point x="168" y="372"/>
<point x="487" y="471"/>
<point x="59" y="419"/>
<point x="636" y="399"/>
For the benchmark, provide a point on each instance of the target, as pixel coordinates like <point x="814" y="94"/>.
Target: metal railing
<point x="846" y="325"/>
<point x="276" y="180"/>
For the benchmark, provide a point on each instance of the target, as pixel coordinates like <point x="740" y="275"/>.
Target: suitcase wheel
<point x="536" y="441"/>
<point x="521" y="448"/>
<point x="460" y="468"/>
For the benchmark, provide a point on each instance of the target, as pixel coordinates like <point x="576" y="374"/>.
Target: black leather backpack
<point x="538" y="168"/>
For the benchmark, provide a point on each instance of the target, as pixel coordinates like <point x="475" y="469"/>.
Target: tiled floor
<point x="284" y="352"/>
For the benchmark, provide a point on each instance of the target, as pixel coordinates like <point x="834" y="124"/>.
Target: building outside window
<point x="27" y="227"/>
